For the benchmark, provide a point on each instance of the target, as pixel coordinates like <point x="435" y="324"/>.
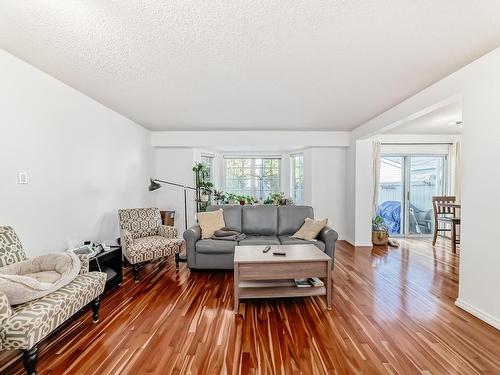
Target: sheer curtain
<point x="377" y="146"/>
<point x="454" y="154"/>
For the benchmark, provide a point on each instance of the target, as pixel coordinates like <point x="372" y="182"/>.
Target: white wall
<point x="325" y="169"/>
<point x="328" y="188"/>
<point x="84" y="161"/>
<point x="478" y="87"/>
<point x="251" y="140"/>
<point x="479" y="254"/>
<point x="175" y="165"/>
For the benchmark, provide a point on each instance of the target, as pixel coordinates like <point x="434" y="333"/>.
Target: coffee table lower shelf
<point x="280" y="289"/>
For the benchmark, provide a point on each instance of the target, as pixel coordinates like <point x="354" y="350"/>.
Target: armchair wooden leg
<point x="30" y="357"/>
<point x="135" y="268"/>
<point x="95" y="309"/>
<point x="177" y="260"/>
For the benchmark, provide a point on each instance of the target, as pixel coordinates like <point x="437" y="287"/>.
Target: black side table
<point x="111" y="263"/>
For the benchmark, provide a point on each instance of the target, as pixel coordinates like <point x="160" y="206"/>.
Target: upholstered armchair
<point x="24" y="326"/>
<point x="144" y="238"/>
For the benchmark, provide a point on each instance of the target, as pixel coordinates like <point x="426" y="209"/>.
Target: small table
<point x="264" y="275"/>
<point x="111" y="263"/>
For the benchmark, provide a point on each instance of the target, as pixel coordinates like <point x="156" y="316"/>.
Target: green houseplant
<point x="203" y="183"/>
<point x="380" y="234"/>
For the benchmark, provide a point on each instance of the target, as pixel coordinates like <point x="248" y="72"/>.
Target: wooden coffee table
<point x="264" y="275"/>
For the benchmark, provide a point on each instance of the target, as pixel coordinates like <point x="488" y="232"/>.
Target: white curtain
<point x="377" y="146"/>
<point x="454" y="156"/>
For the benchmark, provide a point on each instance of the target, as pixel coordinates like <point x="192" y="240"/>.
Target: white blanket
<point x="36" y="277"/>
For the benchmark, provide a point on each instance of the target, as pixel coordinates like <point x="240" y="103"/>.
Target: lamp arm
<point x="174" y="184"/>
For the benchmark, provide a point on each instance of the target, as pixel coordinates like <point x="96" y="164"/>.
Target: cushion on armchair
<point x="36" y="277"/>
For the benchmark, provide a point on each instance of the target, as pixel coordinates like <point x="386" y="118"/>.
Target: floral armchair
<point x="144" y="238"/>
<point x="24" y="326"/>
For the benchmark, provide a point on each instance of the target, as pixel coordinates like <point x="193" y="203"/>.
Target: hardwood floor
<point x="393" y="313"/>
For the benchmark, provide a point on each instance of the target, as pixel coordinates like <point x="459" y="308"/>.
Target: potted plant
<point x="380" y="235"/>
<point x="250" y="200"/>
<point x="203" y="183"/>
<point x="219" y="197"/>
<point x="205" y="190"/>
<point x="278" y="199"/>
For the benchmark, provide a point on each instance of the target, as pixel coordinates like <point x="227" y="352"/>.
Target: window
<point x="254" y="176"/>
<point x="208" y="161"/>
<point x="297" y="178"/>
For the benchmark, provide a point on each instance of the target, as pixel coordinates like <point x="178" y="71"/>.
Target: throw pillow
<point x="310" y="229"/>
<point x="210" y="222"/>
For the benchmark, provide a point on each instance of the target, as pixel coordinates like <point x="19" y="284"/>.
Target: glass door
<point x="407" y="184"/>
<point x="390" y="193"/>
<point x="425" y="179"/>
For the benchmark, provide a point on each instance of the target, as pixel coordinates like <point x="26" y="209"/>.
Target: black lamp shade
<point x="154" y="185"/>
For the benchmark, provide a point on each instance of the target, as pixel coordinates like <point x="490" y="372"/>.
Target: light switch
<point x="22" y="177"/>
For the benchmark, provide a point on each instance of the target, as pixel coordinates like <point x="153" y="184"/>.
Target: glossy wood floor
<point x="393" y="313"/>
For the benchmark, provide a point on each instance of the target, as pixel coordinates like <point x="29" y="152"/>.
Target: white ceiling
<point x="436" y="122"/>
<point x="246" y="65"/>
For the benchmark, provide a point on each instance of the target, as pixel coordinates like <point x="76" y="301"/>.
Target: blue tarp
<point x="391" y="212"/>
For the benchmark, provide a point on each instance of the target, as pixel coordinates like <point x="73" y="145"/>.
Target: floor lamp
<point x="155" y="185"/>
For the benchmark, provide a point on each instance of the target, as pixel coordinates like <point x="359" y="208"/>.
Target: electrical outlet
<point x="22" y="177"/>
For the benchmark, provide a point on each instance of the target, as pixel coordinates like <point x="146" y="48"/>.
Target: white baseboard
<point x="363" y="244"/>
<point x="484" y="316"/>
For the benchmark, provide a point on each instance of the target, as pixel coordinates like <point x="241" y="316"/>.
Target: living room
<point x="291" y="112"/>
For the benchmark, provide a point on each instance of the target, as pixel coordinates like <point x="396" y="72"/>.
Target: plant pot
<point x="242" y="202"/>
<point x="204" y="197"/>
<point x="380" y="237"/>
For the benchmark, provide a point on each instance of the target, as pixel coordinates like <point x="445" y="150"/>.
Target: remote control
<point x="280" y="253"/>
<point x="266" y="249"/>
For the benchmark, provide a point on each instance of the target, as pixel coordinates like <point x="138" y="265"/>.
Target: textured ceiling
<point x="436" y="122"/>
<point x="260" y="64"/>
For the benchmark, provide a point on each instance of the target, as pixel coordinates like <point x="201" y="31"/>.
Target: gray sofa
<point x="262" y="225"/>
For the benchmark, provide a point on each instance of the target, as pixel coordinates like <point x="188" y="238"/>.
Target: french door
<point x="407" y="184"/>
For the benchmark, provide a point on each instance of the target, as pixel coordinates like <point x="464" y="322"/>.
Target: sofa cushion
<point x="232" y="215"/>
<point x="310" y="229"/>
<point x="150" y="248"/>
<point x="11" y="250"/>
<point x="259" y="240"/>
<point x="291" y="218"/>
<point x="209" y="246"/>
<point x="32" y="321"/>
<point x="261" y="220"/>
<point x="287" y="240"/>
<point x="210" y="222"/>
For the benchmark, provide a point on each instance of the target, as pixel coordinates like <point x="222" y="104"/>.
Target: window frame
<point x="211" y="164"/>
<point x="293" y="161"/>
<point x="254" y="192"/>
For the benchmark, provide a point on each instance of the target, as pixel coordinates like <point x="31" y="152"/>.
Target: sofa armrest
<point x="329" y="236"/>
<point x="192" y="235"/>
<point x="126" y="240"/>
<point x="85" y="263"/>
<point x="5" y="310"/>
<point x="167" y="231"/>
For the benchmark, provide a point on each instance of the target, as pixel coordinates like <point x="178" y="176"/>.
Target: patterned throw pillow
<point x="11" y="249"/>
<point x="310" y="229"/>
<point x="210" y="222"/>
